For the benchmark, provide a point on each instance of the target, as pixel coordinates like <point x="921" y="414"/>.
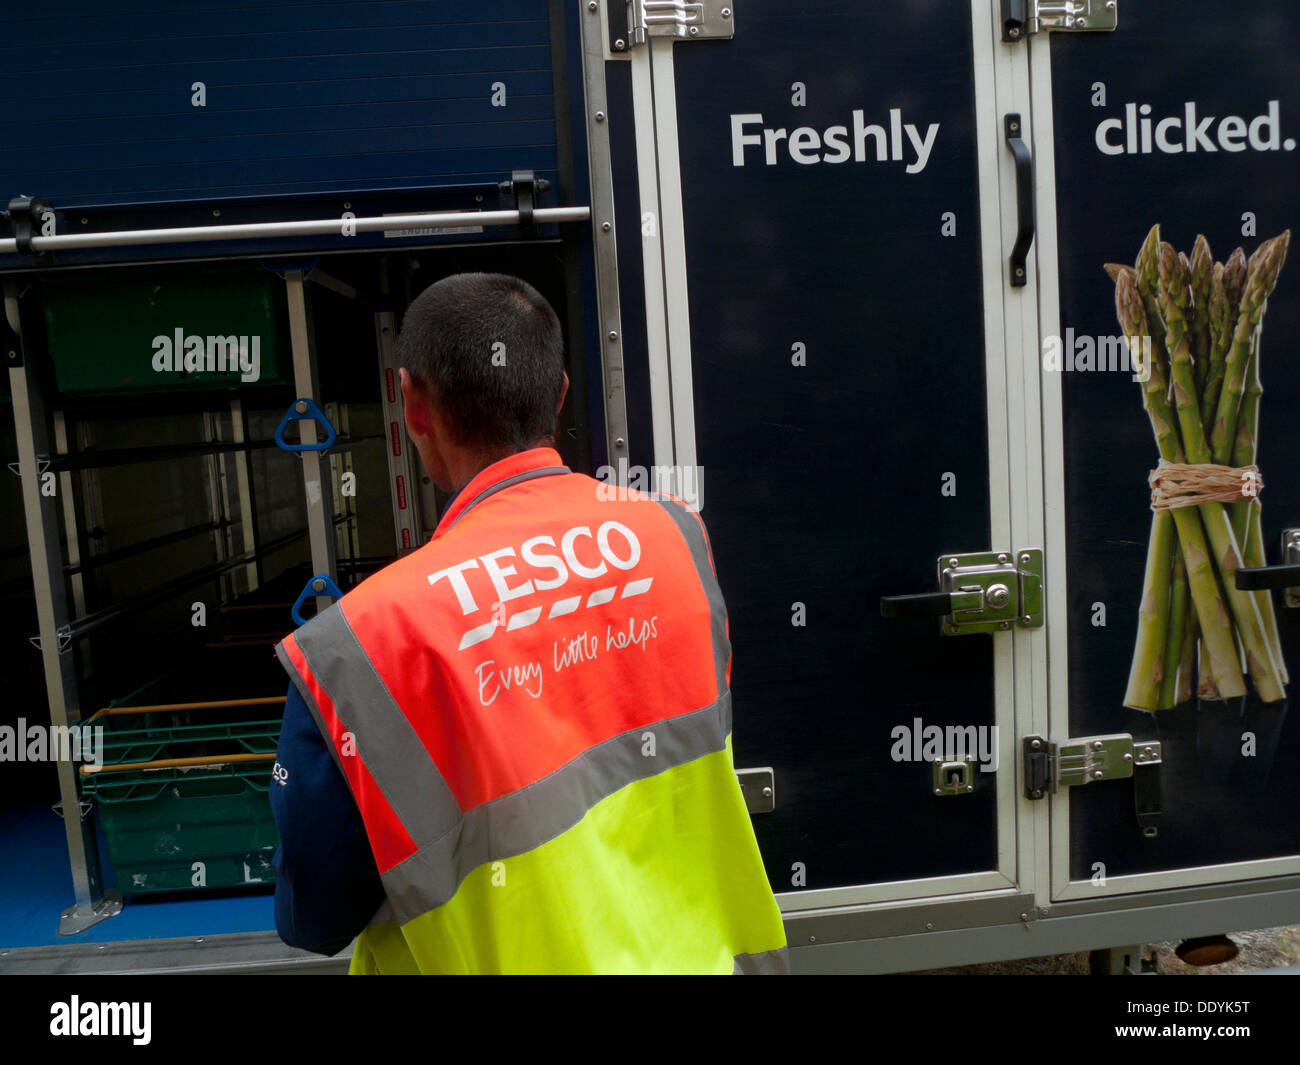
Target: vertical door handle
<point x="1014" y="131"/>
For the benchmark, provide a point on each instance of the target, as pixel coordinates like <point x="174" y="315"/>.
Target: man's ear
<point x="417" y="405"/>
<point x="563" y="392"/>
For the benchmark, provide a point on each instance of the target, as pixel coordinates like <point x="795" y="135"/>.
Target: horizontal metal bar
<point x="230" y="953"/>
<point x="321" y="227"/>
<point x="89" y="562"/>
<point x="84" y="626"/>
<point x="174" y="763"/>
<point x="94" y="460"/>
<point x="211" y="704"/>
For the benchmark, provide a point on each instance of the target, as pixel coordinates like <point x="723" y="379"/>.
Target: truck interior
<point x="186" y="548"/>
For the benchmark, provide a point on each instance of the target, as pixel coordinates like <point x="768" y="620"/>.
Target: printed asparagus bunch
<point x="1202" y="395"/>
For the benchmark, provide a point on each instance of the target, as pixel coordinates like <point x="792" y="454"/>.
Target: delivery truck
<point x="968" y="327"/>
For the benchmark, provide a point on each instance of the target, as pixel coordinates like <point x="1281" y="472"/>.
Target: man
<point x="510" y="750"/>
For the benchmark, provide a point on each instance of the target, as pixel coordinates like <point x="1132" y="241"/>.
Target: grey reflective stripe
<point x="769" y="962"/>
<point x="688" y="523"/>
<point x="523" y="820"/>
<point x="384" y="915"/>
<point x="528" y="475"/>
<point x="386" y="742"/>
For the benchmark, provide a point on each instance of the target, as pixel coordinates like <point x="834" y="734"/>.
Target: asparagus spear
<point x="1222" y="318"/>
<point x="1247" y="515"/>
<point x="1201" y="268"/>
<point x="1174" y="296"/>
<point x="1218" y="647"/>
<point x="1234" y="275"/>
<point x="1148" y="669"/>
<point x="1186" y="685"/>
<point x="1176" y="636"/>
<point x="1253" y="555"/>
<point x="1147" y="271"/>
<point x="1261" y="278"/>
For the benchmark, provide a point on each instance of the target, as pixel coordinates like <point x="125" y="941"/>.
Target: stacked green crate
<point x="181" y="795"/>
<point x="166" y="330"/>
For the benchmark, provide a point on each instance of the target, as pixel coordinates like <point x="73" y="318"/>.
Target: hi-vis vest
<point x="532" y="712"/>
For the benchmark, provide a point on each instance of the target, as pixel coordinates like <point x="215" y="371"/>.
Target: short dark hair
<point x="490" y="349"/>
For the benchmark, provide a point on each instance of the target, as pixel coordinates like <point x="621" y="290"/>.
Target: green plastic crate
<point x="120" y="334"/>
<point x="191" y="827"/>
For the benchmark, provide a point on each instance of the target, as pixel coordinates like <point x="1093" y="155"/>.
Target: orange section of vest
<point x="554" y="620"/>
<point x="389" y="839"/>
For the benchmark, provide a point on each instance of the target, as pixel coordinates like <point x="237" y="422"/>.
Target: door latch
<point x="953" y="776"/>
<point x="759" y="788"/>
<point x="1023" y="17"/>
<point x="1049" y="767"/>
<point x="985" y="592"/>
<point x="634" y="22"/>
<point x="1270" y="578"/>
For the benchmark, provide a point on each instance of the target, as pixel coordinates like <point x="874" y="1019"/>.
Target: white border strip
<point x="935" y="887"/>
<point x="647" y="175"/>
<point x="672" y="229"/>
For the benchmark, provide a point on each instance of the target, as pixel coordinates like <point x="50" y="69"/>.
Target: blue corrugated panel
<point x="97" y="102"/>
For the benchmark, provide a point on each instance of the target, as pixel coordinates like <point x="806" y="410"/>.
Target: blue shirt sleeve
<point x="327" y="887"/>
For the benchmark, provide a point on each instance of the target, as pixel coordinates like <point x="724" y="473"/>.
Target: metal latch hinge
<point x="1049" y="767"/>
<point x="634" y="22"/>
<point x="1020" y="18"/>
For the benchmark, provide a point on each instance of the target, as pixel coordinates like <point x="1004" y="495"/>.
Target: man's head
<point x="482" y="366"/>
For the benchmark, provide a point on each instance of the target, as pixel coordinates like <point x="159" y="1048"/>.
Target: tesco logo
<point x="612" y="548"/>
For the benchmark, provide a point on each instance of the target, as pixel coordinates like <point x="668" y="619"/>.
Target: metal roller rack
<point x="62" y="623"/>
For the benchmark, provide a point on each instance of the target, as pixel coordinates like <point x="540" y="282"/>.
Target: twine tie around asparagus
<point x="1182" y="484"/>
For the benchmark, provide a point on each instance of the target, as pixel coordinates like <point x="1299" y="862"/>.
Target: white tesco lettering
<point x="498" y="575"/>
<point x="533" y="558"/>
<point x="566" y="545"/>
<point x="622" y="554"/>
<point x="458" y="583"/>
<point x="602" y="542"/>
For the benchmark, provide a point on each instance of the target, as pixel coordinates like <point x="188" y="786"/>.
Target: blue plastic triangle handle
<point x="327" y="587"/>
<point x="304" y="408"/>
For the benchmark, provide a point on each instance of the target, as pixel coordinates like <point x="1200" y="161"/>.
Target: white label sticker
<point x="429" y="231"/>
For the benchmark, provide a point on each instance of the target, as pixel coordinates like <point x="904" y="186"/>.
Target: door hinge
<point x="1020" y="18"/>
<point x="634" y="22"/>
<point x="1050" y="767"/>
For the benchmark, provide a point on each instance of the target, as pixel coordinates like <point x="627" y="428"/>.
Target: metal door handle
<point x="1024" y="198"/>
<point x="925" y="605"/>
<point x="1266" y="578"/>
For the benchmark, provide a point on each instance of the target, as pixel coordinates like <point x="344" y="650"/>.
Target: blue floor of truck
<point x="36" y="885"/>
